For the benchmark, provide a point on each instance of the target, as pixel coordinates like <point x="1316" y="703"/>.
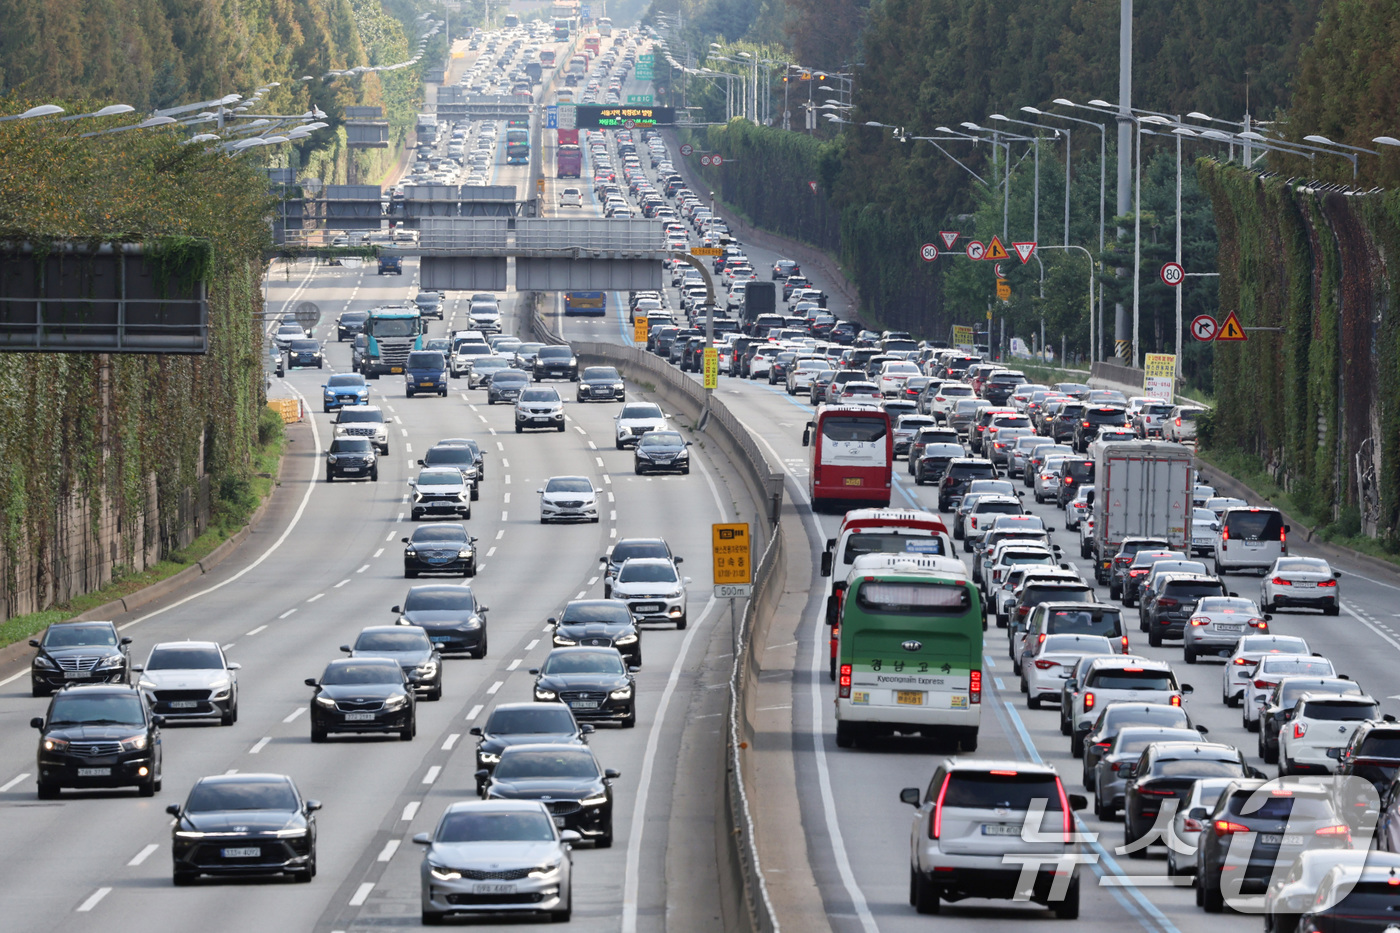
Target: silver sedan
<point x="1301" y="581"/>
<point x="1218" y="624"/>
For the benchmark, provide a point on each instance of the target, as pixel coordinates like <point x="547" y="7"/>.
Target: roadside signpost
<point x="928" y="252"/>
<point x="975" y="251"/>
<point x="1204" y="327"/>
<point x="1159" y="375"/>
<point x="733" y="572"/>
<point x="1172" y="274"/>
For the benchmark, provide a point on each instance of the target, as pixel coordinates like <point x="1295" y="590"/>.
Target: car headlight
<point x="464" y="553"/>
<point x="287" y="833"/>
<point x="134" y="744"/>
<point x="396" y="702"/>
<point x="115" y="660"/>
<point x="219" y="690"/>
<point x="564" y="641"/>
<point x="55" y="745"/>
<point x="622" y="693"/>
<point x="330" y="458"/>
<point x="145" y="684"/>
<point x="676" y="594"/>
<point x="41" y="661"/>
<point x="427" y="669"/>
<point x="487" y="758"/>
<point x="410" y="552"/>
<point x="594" y="801"/>
<point x="625" y="640"/>
<point x="542" y="693"/>
<point x="623" y="430"/>
<point x="547" y="868"/>
<point x="444" y="874"/>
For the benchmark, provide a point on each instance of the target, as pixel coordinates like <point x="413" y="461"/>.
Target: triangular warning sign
<point x="1230" y="329"/>
<point x="949" y="237"/>
<point x="1024" y="251"/>
<point x="995" y="250"/>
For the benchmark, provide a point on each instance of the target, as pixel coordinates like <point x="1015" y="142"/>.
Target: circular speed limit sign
<point x="704" y="160"/>
<point x="975" y="250"/>
<point x="928" y="252"/>
<point x="630" y="124"/>
<point x="716" y="159"/>
<point x="1172" y="274"/>
<point x="687" y="149"/>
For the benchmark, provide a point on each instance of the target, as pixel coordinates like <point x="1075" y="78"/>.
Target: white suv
<point x="970" y="836"/>
<point x="1124" y="677"/>
<point x="571" y="197"/>
<point x="1321" y="726"/>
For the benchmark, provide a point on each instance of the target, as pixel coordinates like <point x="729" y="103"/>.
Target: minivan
<point x="1250" y="539"/>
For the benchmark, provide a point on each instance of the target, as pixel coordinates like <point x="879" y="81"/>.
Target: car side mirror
<point x="137" y="668"/>
<point x="1078" y="802"/>
<point x="1387" y="718"/>
<point x="1334" y="753"/>
<point x="1187" y="689"/>
<point x="1198" y="813"/>
<point x="612" y="774"/>
<point x="173" y="809"/>
<point x="569" y="837"/>
<point x="157" y="721"/>
<point x="311" y="682"/>
<point x="807" y="437"/>
<point x="534" y="670"/>
<point x="346" y="648"/>
<point x="483" y="774"/>
<point x="1336" y="575"/>
<point x="910" y="795"/>
<point x="1344" y="677"/>
<point x="397" y="609"/>
<point x="422" y="839"/>
<point x="421" y="463"/>
<point x="586" y="729"/>
<point x="37" y="722"/>
<point x="1256" y="774"/>
<point x="1268" y="617"/>
<point x="678" y="560"/>
<point x="410" y="486"/>
<point x="311" y="806"/>
<point x="632" y="668"/>
<point x="474" y="730"/>
<point x="1203" y="730"/>
<point x="482" y="610"/>
<point x="33" y="642"/>
<point x="685" y="580"/>
<point x="603" y="559"/>
<point x="1129" y="771"/>
<point x="540" y="491"/>
<point x="1287" y="529"/>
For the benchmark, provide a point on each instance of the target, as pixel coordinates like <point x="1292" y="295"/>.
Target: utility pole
<point x="1122" y="346"/>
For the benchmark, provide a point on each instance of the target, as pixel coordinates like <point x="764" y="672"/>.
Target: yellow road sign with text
<point x="731" y="546"/>
<point x="711" y="371"/>
<point x="1003" y="289"/>
<point x="706" y="251"/>
<point x="639" y="330"/>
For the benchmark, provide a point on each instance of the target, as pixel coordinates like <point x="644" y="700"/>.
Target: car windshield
<point x="662" y="439"/>
<point x="444" y="533"/>
<point x="430" y="600"/>
<point x="555" y="353"/>
<point x="628" y="549"/>
<point x="350" y="445"/>
<point x="212" y="796"/>
<point x="455" y="456"/>
<point x="346" y="379"/>
<point x="120" y="709"/>
<point x="983" y="790"/>
<point x="394" y="327"/>
<point x="640" y="411"/>
<point x="426" y="360"/>
<point x="185" y="659"/>
<point x="584" y="662"/>
<point x="609" y="610"/>
<point x="439" y="479"/>
<point x="509" y="378"/>
<point x="362" y="673"/>
<point x="518" y="765"/>
<point x="874" y="542"/>
<point x="601" y="374"/>
<point x="359" y="415"/>
<point x="392" y="641"/>
<point x="484" y="826"/>
<point x="647" y="572"/>
<point x="80" y="636"/>
<point x="307" y="345"/>
<point x="568" y="484"/>
<point x="1132" y="741"/>
<point x="539" y="395"/>
<point x="1076" y="645"/>
<point x="354" y="317"/>
<point x="543" y="720"/>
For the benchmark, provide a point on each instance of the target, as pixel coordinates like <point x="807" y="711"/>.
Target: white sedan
<point x="1301" y="581"/>
<point x="1046" y="665"/>
<point x="568" y="498"/>
<point x="1248" y="651"/>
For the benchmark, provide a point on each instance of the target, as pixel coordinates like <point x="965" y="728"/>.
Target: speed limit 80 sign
<point x="1173" y="274"/>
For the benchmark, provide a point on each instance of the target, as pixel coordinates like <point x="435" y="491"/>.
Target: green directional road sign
<point x="642" y="73"/>
<point x="638" y="98"/>
<point x="646" y="59"/>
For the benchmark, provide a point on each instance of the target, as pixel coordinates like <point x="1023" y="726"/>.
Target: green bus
<point x="909" y="650"/>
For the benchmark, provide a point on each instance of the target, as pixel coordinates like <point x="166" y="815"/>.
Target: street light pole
<point x="1125" y="144"/>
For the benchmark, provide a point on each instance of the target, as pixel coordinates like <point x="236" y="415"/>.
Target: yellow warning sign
<point x="731" y="553"/>
<point x="710" y="369"/>
<point x="1230" y="329"/>
<point x="1003" y="289"/>
<point x="995" y="251"/>
<point x="639" y="330"/>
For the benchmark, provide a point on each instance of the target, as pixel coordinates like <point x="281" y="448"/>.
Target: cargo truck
<point x="1141" y="489"/>
<point x="759" y="298"/>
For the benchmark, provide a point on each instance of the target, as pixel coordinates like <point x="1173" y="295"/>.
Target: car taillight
<point x="845" y="682"/>
<point x="974" y="521"/>
<point x="975" y="686"/>
<point x="1086" y="424"/>
<point x="1136" y="573"/>
<point x="1227" y="828"/>
<point x="1149" y="792"/>
<point x="1258" y="623"/>
<point x="1300" y="729"/>
<point x="1124" y="640"/>
<point x="1340" y="829"/>
<point x="1280" y="581"/>
<point x="1088" y="701"/>
<point x="1262" y="684"/>
<point x="1178" y="422"/>
<point x="1246" y="661"/>
<point x="1328" y="583"/>
<point x="1191" y="826"/>
<point x="1200" y="620"/>
<point x="1046" y="665"/>
<point x="935" y="825"/>
<point x="1176" y="700"/>
<point x="1041" y="640"/>
<point x="1168" y="601"/>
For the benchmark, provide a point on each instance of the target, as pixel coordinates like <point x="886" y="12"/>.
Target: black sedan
<point x="305" y="353"/>
<point x="349" y="324"/>
<point x="523" y="724"/>
<point x="592" y="682"/>
<point x="567" y="778"/>
<point x="439" y="549"/>
<point x="77" y="653"/>
<point x="244" y="824"/>
<point x="661" y="451"/>
<point x="1166" y="772"/>
<point x="505" y="386"/>
<point x="362" y="695"/>
<point x="452" y="617"/>
<point x="599" y="623"/>
<point x="601" y="383"/>
<point x="408" y="645"/>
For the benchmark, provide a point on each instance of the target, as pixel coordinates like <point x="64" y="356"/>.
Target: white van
<point x="1250" y="539"/>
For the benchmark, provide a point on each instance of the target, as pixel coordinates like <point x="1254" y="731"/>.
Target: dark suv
<point x="351" y="458"/>
<point x="1066" y="420"/>
<point x="1118" y="567"/>
<point x="959" y="474"/>
<point x="1073" y="473"/>
<point x="1094" y="418"/>
<point x="999" y="387"/>
<point x="78" y="653"/>
<point x="555" y="363"/>
<point x="1171" y="602"/>
<point x="98" y="735"/>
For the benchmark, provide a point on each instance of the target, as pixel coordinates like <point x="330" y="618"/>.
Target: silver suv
<point x="365" y="421"/>
<point x="539" y="408"/>
<point x="971" y="835"/>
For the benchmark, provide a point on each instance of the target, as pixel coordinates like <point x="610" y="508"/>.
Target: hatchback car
<point x="1308" y="582"/>
<point x="539" y="408"/>
<point x="362" y="695"/>
<point x="77" y="653"/>
<point x="190" y="680"/>
<point x="410" y="647"/>
<point x="496" y="857"/>
<point x="568" y="498"/>
<point x="593" y="682"/>
<point x="98" y="736"/>
<point x="243" y="824"/>
<point x="577" y="791"/>
<point x="453" y="619"/>
<point x="636" y="419"/>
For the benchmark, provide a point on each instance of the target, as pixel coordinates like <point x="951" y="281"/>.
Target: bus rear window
<point x="860" y="430"/>
<point x="888" y="543"/>
<point x="913" y="597"/>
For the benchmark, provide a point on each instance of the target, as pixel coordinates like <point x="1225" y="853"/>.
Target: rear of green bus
<point x="910" y="652"/>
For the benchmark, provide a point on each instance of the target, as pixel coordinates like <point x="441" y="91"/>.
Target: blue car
<point x="425" y="371"/>
<point x="344" y="389"/>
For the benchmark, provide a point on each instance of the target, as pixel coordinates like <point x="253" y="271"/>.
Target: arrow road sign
<point x="975" y="250"/>
<point x="1172" y="274"/>
<point x="928" y="252"/>
<point x="1203" y="328"/>
<point x="949" y="237"/>
<point x="1024" y="250"/>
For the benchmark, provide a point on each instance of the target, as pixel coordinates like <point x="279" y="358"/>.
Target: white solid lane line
<point x="143" y="855"/>
<point x="93" y="900"/>
<point x="410" y="810"/>
<point x="13" y="781"/>
<point x="260" y="744"/>
<point x="389" y="849"/>
<point x="294" y="714"/>
<point x="361" y="894"/>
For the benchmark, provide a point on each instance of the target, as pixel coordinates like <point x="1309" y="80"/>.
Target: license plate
<point x="353" y="469"/>
<point x="559" y="821"/>
<point x="490" y="888"/>
<point x="395" y="369"/>
<point x="854" y="481"/>
<point x="242" y="852"/>
<point x="427" y="385"/>
<point x="1226" y="627"/>
<point x="1000" y="829"/>
<point x="183" y="704"/>
<point x="440" y="639"/>
<point x="94" y="772"/>
<point x="359" y="717"/>
<point x="648" y="607"/>
<point x="909" y="697"/>
<point x="1274" y="839"/>
<point x="76" y="675"/>
<point x="583" y="704"/>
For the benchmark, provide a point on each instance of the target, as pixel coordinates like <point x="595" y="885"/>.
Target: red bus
<point x="569" y="162"/>
<point x="852" y="457"/>
<point x="547" y="58"/>
<point x="593" y="45"/>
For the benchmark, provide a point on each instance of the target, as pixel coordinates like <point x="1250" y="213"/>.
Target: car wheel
<point x="680" y="623"/>
<point x="47" y="791"/>
<point x="318" y="735"/>
<point x="330" y="478"/>
<point x="631" y="721"/>
<point x="1154" y="637"/>
<point x="325" y="409"/>
<point x="148" y="789"/>
<point x="686" y="472"/>
<point x="431" y="918"/>
<point x="229" y="718"/>
<point x="1212" y="898"/>
<point x="637" y="468"/>
<point x="561" y="428"/>
<point x="374" y="475"/>
<point x="1331" y="610"/>
<point x="1102" y="811"/>
<point x="923" y="895"/>
<point x="39" y="690"/>
<point x="846" y="734"/>
<point x="408" y="731"/>
<point x="618" y="444"/>
<point x="471" y="569"/>
<point x="480" y="651"/>
<point x="1189" y="653"/>
<point x="1033" y="701"/>
<point x="183" y="879"/>
<point x="476" y="493"/>
<point x="1068" y="909"/>
<point x="562" y="916"/>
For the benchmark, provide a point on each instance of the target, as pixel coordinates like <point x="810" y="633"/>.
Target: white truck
<point x="1142" y="489"/>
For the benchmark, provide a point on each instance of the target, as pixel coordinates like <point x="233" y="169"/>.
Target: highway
<point x="857" y="831"/>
